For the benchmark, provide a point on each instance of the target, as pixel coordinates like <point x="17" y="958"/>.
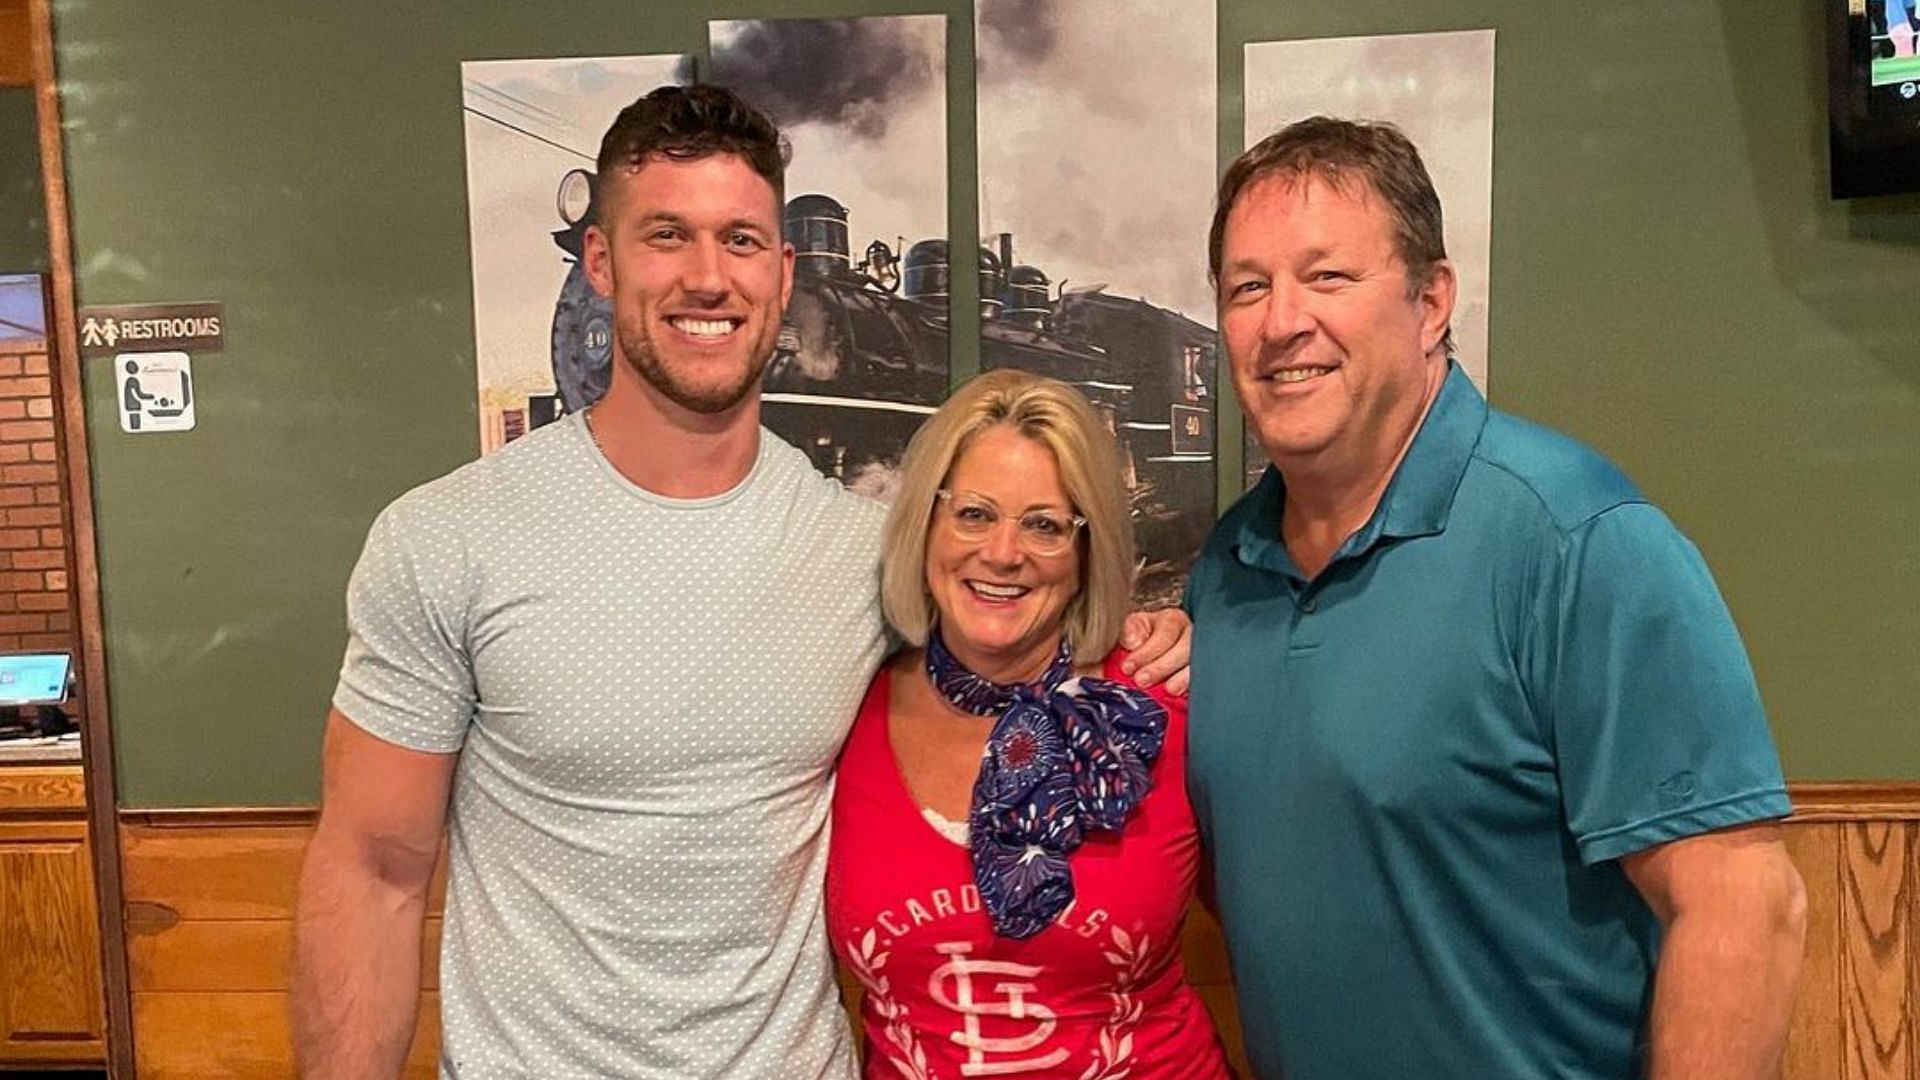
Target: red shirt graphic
<point x="1098" y="995"/>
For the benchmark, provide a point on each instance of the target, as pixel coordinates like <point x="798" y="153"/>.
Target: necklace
<point x="593" y="432"/>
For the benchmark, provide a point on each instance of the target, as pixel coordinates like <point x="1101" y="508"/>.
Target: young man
<point x="1475" y="744"/>
<point x="625" y="713"/>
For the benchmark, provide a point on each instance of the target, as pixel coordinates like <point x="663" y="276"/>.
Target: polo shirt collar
<point x="1417" y="500"/>
<point x="1420" y="497"/>
<point x="1258" y="543"/>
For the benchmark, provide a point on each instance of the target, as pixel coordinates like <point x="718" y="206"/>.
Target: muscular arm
<point x="362" y="904"/>
<point x="1735" y="917"/>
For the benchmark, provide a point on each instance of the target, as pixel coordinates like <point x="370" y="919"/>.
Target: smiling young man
<point x="614" y="662"/>
<point x="1475" y="745"/>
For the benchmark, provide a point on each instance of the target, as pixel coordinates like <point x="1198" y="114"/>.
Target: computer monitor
<point x="34" y="678"/>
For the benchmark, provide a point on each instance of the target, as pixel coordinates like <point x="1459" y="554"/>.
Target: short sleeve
<point x="407" y="677"/>
<point x="1655" y="718"/>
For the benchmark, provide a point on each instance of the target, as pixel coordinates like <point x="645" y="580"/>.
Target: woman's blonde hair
<point x="1055" y="415"/>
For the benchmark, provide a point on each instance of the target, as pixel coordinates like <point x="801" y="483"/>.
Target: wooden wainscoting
<point x="51" y="997"/>
<point x="210" y="906"/>
<point x="1858" y="847"/>
<point x="209" y="916"/>
<point x="209" y="897"/>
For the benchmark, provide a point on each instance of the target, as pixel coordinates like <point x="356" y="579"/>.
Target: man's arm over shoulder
<point x="1735" y="913"/>
<point x="362" y="904"/>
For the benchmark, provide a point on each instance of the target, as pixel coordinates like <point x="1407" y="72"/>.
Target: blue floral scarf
<point x="1068" y="755"/>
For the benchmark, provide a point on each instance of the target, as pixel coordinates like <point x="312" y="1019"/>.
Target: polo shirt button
<point x="1307" y="605"/>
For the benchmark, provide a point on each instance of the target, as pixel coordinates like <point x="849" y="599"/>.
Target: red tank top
<point x="1098" y="995"/>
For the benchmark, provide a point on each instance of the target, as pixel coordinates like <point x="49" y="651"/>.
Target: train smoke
<point x="847" y="73"/>
<point x="1080" y="165"/>
<point x="1015" y="33"/>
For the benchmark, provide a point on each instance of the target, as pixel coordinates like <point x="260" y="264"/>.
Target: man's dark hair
<point x="687" y="123"/>
<point x="1341" y="154"/>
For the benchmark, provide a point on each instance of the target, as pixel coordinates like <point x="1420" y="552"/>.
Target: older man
<point x="1475" y="743"/>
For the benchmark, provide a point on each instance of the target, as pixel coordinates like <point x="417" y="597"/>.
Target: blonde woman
<point x="1013" y="850"/>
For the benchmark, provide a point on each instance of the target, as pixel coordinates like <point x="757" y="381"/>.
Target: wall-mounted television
<point x="1873" y="96"/>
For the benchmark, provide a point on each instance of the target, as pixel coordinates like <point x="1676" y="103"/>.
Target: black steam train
<point x="862" y="359"/>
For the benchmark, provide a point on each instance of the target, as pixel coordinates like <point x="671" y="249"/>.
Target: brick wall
<point x="36" y="602"/>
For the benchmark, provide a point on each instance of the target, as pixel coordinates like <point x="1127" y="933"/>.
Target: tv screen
<point x="1874" y="96"/>
<point x="1893" y="62"/>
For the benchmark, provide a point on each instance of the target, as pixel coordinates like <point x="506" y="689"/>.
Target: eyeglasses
<point x="973" y="518"/>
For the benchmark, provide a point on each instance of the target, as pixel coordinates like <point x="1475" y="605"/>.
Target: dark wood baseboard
<point x="221" y="817"/>
<point x="1855" y="800"/>
<point x="1813" y="800"/>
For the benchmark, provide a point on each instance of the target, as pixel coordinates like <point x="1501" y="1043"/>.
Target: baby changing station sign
<point x="156" y="391"/>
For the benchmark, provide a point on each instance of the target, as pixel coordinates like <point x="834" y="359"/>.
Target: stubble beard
<point x="637" y="346"/>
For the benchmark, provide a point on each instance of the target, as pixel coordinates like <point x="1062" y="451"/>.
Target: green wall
<point x="1670" y="282"/>
<point x="23" y="210"/>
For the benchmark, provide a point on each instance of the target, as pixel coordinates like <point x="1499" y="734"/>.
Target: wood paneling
<point x="1876" y="898"/>
<point x="211" y="900"/>
<point x="225" y="871"/>
<point x="42" y="789"/>
<point x="1814" y="1043"/>
<point x="234" y="954"/>
<point x="50" y="996"/>
<point x="242" y="1036"/>
<point x="214" y="873"/>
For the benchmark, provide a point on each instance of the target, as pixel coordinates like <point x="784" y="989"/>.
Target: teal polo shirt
<point x="1416" y="771"/>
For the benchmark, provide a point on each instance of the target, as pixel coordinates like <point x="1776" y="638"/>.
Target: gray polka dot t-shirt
<point x="647" y="696"/>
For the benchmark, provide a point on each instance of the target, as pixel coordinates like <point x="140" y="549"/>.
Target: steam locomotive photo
<point x="862" y="359"/>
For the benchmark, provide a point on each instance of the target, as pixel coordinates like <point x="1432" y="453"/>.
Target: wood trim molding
<point x="1813" y="800"/>
<point x="222" y="817"/>
<point x="1855" y="800"/>
<point x="96" y="741"/>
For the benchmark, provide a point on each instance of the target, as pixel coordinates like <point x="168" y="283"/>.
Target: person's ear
<point x="596" y="254"/>
<point x="1436" y="299"/>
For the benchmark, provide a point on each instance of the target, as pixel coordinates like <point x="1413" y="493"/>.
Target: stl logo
<point x="1011" y="1001"/>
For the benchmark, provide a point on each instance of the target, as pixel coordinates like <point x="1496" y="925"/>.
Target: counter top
<point x="39" y="751"/>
